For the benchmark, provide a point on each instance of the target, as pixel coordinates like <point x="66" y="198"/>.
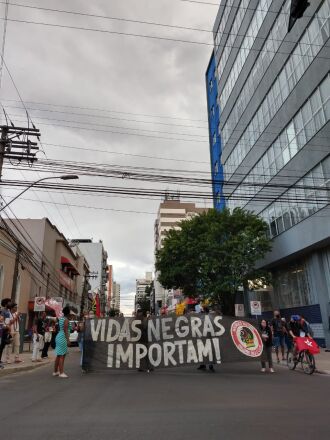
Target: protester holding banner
<point x="267" y="340"/>
<point x="143" y="326"/>
<point x="62" y="343"/>
<point x="206" y="310"/>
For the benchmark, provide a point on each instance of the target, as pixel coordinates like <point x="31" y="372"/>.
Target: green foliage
<point x="144" y="304"/>
<point x="213" y="254"/>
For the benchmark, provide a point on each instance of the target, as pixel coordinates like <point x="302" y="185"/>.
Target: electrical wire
<point x="104" y="110"/>
<point x="105" y="17"/>
<point x="153" y="37"/>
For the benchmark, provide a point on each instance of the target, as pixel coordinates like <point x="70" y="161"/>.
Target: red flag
<point x="307" y="344"/>
<point x="97" y="304"/>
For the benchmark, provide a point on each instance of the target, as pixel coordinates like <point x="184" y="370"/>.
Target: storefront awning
<point x="69" y="265"/>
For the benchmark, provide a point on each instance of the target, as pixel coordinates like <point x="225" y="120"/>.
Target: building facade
<point x="24" y="282"/>
<point x="109" y="287"/>
<point x="170" y="213"/>
<point x="46" y="257"/>
<point x="115" y="300"/>
<point x="141" y="285"/>
<point x="273" y="92"/>
<point x="96" y="256"/>
<point x="213" y="111"/>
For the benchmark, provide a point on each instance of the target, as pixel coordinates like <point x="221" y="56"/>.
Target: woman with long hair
<point x="62" y="342"/>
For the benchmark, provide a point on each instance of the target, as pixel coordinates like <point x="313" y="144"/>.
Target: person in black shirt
<point x="278" y="335"/>
<point x="267" y="339"/>
<point x="38" y="337"/>
<point x="297" y="328"/>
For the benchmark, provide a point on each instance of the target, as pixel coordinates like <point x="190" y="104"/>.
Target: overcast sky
<point x="147" y="89"/>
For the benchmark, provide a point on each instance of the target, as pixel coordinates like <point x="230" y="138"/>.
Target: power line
<point x="105" y="31"/>
<point x="154" y="37"/>
<point x="3" y="40"/>
<point x="143" y="156"/>
<point x="109" y="117"/>
<point x="105" y="17"/>
<point x="117" y="127"/>
<point x="122" y="133"/>
<point x="107" y="110"/>
<point x="73" y="205"/>
<point x="146" y="192"/>
<point x="231" y="140"/>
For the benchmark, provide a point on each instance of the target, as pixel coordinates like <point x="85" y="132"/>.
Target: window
<point x="291" y="286"/>
<point x="214" y="138"/>
<point x="285" y="83"/>
<point x="211" y="85"/>
<point x="216" y="167"/>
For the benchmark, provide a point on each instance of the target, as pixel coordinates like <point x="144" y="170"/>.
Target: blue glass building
<point x="213" y="111"/>
<point x="273" y="91"/>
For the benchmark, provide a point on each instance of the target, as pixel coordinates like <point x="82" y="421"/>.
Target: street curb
<point x="7" y="372"/>
<point x="322" y="371"/>
<point x="317" y="371"/>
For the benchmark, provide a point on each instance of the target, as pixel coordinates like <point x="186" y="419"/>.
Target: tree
<point x="144" y="304"/>
<point x="213" y="254"/>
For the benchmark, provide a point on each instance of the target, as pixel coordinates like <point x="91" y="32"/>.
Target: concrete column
<point x="322" y="289"/>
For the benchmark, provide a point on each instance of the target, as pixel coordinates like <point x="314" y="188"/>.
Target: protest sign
<point x="169" y="341"/>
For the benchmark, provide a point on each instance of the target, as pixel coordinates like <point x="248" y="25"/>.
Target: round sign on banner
<point x="246" y="338"/>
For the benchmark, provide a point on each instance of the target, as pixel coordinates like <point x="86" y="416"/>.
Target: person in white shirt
<point x="12" y="321"/>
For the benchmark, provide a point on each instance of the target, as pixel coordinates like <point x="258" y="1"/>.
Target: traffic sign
<point x="255" y="307"/>
<point x="39" y="304"/>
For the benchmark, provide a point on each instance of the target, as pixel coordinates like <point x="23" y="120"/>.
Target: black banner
<point x="170" y="341"/>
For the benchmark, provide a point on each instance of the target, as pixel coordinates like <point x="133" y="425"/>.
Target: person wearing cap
<point x="297" y="328"/>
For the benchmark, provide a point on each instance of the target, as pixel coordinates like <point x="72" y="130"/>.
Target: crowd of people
<point x="46" y="332"/>
<point x="9" y="332"/>
<point x="279" y="335"/>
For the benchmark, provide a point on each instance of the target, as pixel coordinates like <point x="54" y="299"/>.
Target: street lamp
<point x="64" y="177"/>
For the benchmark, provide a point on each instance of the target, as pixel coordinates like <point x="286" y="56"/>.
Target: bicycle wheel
<point x="290" y="361"/>
<point x="307" y="362"/>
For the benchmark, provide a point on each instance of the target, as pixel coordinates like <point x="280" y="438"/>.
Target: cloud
<point x="135" y="76"/>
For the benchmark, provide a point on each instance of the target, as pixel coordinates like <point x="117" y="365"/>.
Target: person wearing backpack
<point x="278" y="330"/>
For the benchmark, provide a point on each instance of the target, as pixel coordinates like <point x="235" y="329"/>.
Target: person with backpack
<point x="278" y="330"/>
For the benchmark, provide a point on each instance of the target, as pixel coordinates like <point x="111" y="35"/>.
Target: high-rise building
<point x="109" y="287"/>
<point x="170" y="213"/>
<point x="115" y="300"/>
<point x="273" y="91"/>
<point x="214" y="136"/>
<point x="141" y="285"/>
<point x="97" y="260"/>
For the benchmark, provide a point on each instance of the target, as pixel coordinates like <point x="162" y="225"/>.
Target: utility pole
<point x="4" y="137"/>
<point x="15" y="275"/>
<point x="15" y="144"/>
<point x="84" y="296"/>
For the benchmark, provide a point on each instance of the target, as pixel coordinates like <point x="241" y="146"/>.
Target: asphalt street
<point x="180" y="403"/>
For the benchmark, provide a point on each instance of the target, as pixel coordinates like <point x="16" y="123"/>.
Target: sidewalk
<point x="27" y="364"/>
<point x="322" y="362"/>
